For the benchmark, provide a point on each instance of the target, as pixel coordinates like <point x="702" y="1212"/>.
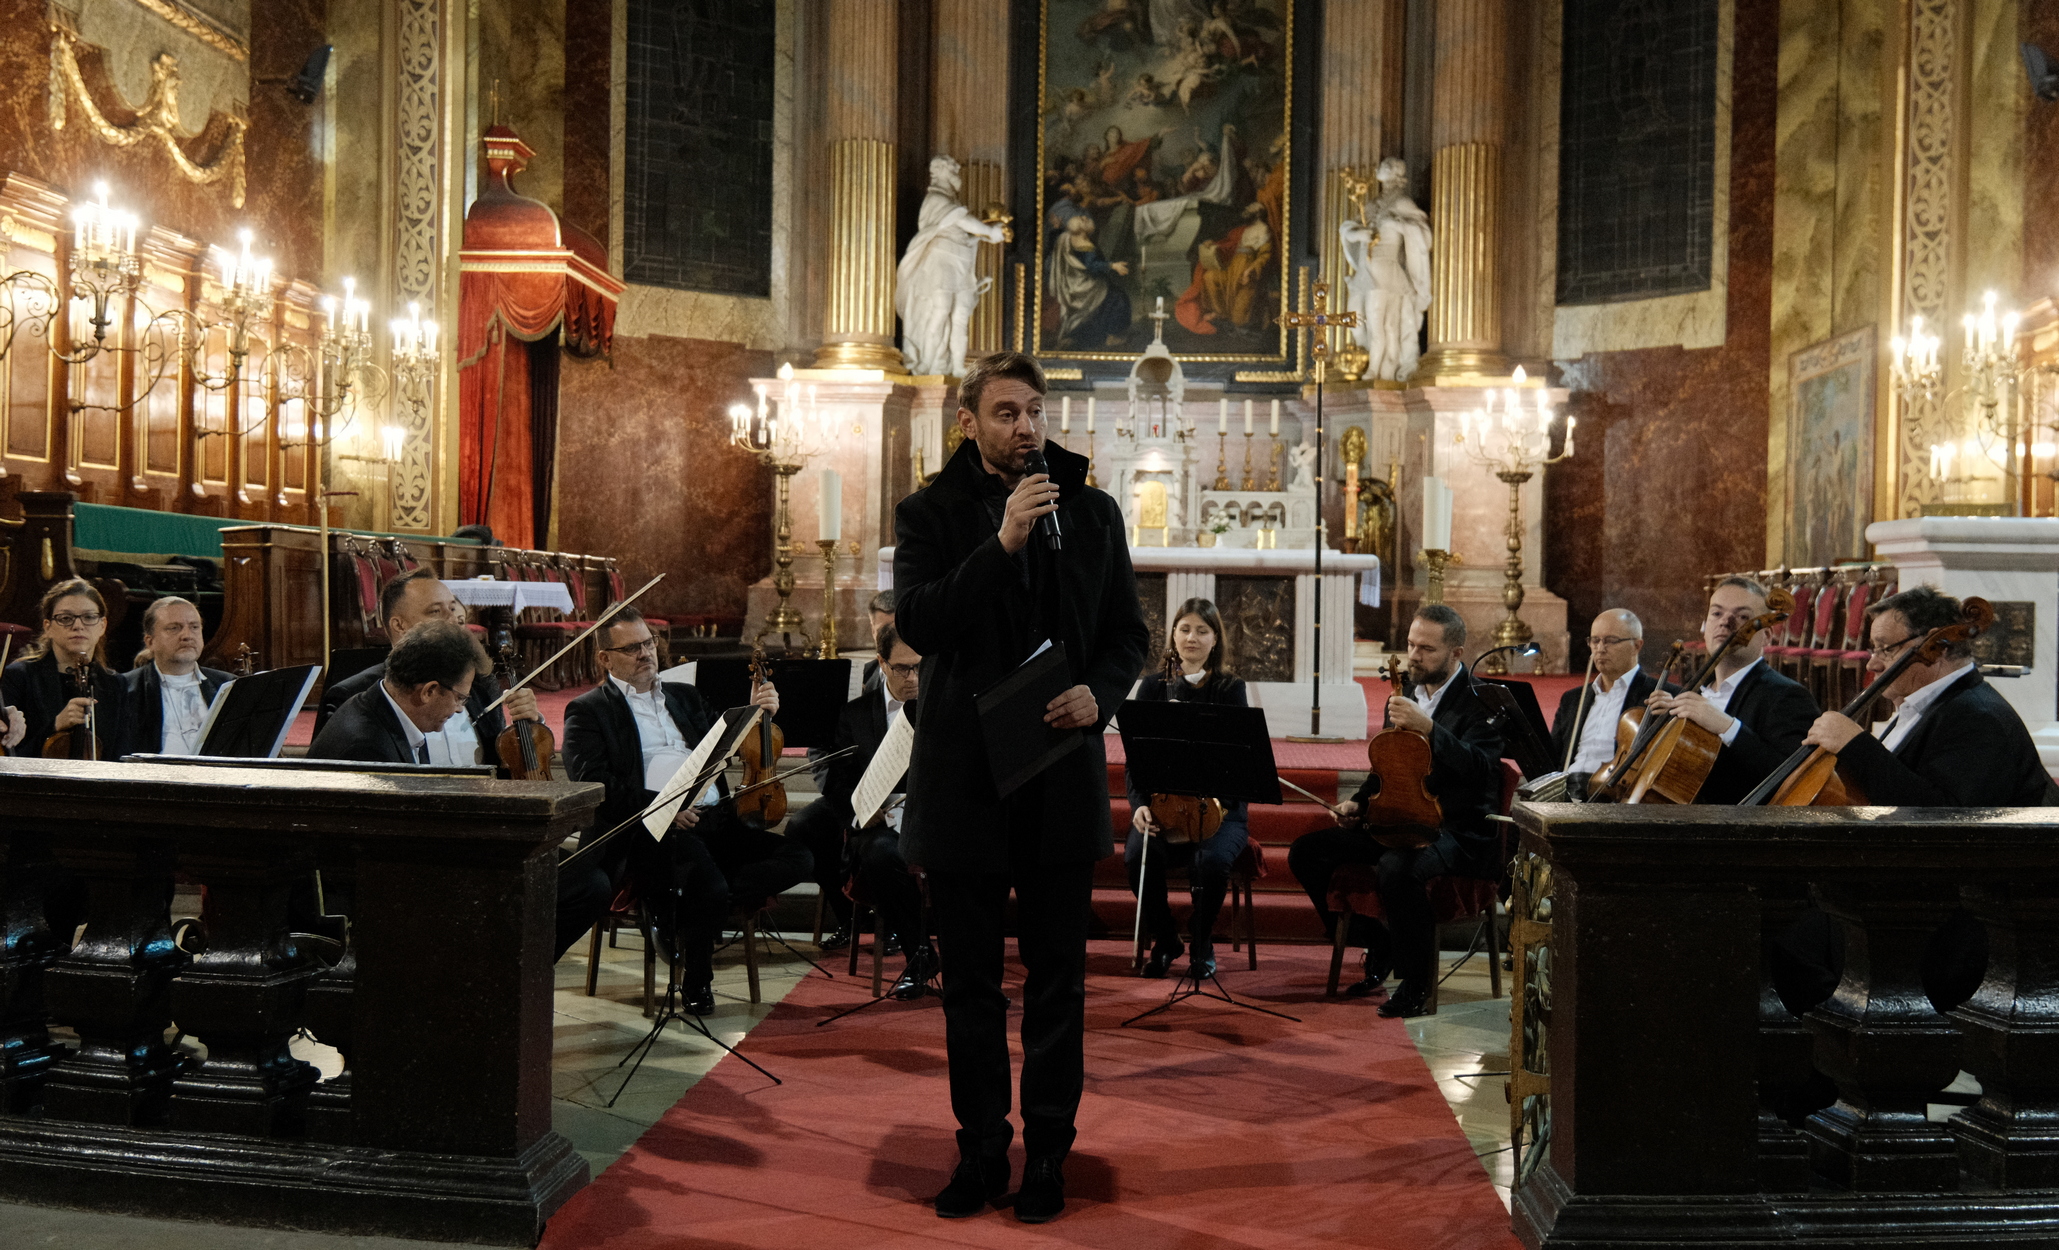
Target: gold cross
<point x="1320" y="318"/>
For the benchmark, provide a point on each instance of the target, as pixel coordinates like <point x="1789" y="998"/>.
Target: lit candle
<point x="1569" y="435"/>
<point x="1247" y="418"/>
<point x="831" y="507"/>
<point x="1065" y="414"/>
<point x="1434" y="516"/>
<point x="1090" y="413"/>
<point x="396" y="439"/>
<point x="1275" y="431"/>
<point x="1222" y="416"/>
<point x="429" y="329"/>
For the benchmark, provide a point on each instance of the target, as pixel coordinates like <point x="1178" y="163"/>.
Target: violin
<point x="1664" y="759"/>
<point x="525" y="747"/>
<point x="70" y="744"/>
<point x="1809" y="777"/>
<point x="761" y="799"/>
<point x="1402" y="813"/>
<point x="1183" y="817"/>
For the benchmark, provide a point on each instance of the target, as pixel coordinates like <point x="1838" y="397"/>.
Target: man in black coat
<point x="978" y="589"/>
<point x="1466" y="777"/>
<point x="169" y="693"/>
<point x="1759" y="715"/>
<point x="630" y="733"/>
<point x="1583" y="731"/>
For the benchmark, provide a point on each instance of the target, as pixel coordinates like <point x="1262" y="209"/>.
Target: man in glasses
<point x="1583" y="731"/>
<point x="631" y="733"/>
<point x="1757" y="714"/>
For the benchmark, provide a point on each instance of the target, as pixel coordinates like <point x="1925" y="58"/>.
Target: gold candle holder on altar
<point x="1272" y="481"/>
<point x="1433" y="563"/>
<point x="827" y="651"/>
<point x="1222" y="463"/>
<point x="1250" y="482"/>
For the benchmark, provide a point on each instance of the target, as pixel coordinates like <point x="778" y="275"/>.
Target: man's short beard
<point x="1425" y="677"/>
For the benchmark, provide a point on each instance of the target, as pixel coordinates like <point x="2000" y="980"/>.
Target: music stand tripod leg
<point x="930" y="988"/>
<point x="669" y="1012"/>
<point x="1181" y="993"/>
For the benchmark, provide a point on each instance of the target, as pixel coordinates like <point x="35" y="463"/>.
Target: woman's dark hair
<point x="47" y="607"/>
<point x="1213" y="665"/>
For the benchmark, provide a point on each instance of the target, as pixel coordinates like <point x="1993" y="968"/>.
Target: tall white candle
<point x="831" y="506"/>
<point x="1247" y="416"/>
<point x="1065" y="414"/>
<point x="1090" y="414"/>
<point x="1276" y="418"/>
<point x="1436" y="515"/>
<point x="1222" y="416"/>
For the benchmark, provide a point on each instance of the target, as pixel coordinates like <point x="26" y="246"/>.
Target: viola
<point x="761" y="799"/>
<point x="1402" y="813"/>
<point x="1666" y="759"/>
<point x="71" y="744"/>
<point x="1809" y="777"/>
<point x="526" y="746"/>
<point x="1183" y="817"/>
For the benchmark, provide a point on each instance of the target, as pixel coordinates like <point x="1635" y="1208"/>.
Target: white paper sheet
<point x="888" y="763"/>
<point x="680" y="789"/>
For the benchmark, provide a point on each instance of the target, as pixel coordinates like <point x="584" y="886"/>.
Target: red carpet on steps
<point x="1206" y="1127"/>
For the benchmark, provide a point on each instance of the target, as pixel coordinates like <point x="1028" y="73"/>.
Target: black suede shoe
<point x="698" y="1002"/>
<point x="837" y="939"/>
<point x="1042" y="1196"/>
<point x="1160" y="959"/>
<point x="1376" y="970"/>
<point x="1409" y="999"/>
<point x="976" y="1183"/>
<point x="915" y="977"/>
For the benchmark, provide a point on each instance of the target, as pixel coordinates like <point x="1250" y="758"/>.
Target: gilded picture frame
<point x="1830" y="449"/>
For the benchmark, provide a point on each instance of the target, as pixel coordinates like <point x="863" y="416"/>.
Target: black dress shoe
<point x="1409" y="999"/>
<point x="976" y="1183"/>
<point x="698" y="1002"/>
<point x="1160" y="959"/>
<point x="1042" y="1196"/>
<point x="1201" y="959"/>
<point x="915" y="977"/>
<point x="1376" y="970"/>
<point x="837" y="939"/>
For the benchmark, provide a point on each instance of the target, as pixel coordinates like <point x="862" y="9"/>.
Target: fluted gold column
<point x="969" y="121"/>
<point x="984" y="186"/>
<point x="858" y="317"/>
<point x="1468" y="103"/>
<point x="1361" y="118"/>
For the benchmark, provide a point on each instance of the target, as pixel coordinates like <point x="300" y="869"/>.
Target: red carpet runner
<point x="1207" y="1127"/>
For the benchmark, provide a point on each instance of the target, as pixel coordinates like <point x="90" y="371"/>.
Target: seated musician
<point x="407" y="601"/>
<point x="630" y="733"/>
<point x="1583" y="731"/>
<point x="1197" y="638"/>
<point x="40" y="684"/>
<point x="169" y="693"/>
<point x="1465" y="775"/>
<point x="875" y="853"/>
<point x="1759" y="715"/>
<point x="423" y="685"/>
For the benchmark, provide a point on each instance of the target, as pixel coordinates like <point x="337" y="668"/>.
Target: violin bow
<point x="801" y="768"/>
<point x="584" y="634"/>
<point x="1317" y="798"/>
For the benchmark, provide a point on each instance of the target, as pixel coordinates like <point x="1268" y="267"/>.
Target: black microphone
<point x="1047" y="524"/>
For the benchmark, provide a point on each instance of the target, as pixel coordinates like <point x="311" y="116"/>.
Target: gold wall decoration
<point x="157" y="117"/>
<point x="1929" y="128"/>
<point x="198" y="25"/>
<point x="418" y="225"/>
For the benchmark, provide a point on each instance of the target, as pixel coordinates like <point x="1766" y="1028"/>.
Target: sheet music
<point x="889" y="762"/>
<point x="682" y="788"/>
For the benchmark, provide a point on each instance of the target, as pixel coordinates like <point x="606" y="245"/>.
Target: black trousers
<point x="1053" y="902"/>
<point x="1207" y="865"/>
<point x="1409" y="936"/>
<point x="884" y="880"/>
<point x="820" y="827"/>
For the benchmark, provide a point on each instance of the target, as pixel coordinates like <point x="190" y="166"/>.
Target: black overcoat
<point x="965" y="605"/>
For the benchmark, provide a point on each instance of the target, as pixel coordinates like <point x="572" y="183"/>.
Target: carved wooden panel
<point x="2012" y="639"/>
<point x="1258" y="626"/>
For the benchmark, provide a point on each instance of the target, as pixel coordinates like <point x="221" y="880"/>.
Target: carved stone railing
<point x="1674" y="1067"/>
<point x="440" y="1125"/>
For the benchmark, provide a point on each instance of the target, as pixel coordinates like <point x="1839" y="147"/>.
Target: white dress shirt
<point x="1428" y="702"/>
<point x="183" y="711"/>
<point x="1913" y="707"/>
<point x="1597" y="744"/>
<point x="416" y="738"/>
<point x="664" y="747"/>
<point x="1719" y="696"/>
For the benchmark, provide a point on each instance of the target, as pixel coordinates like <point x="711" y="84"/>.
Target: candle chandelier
<point x="1990" y="375"/>
<point x="783" y="431"/>
<point x="1513" y="443"/>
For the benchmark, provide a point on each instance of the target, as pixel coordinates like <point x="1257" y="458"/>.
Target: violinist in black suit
<point x="169" y="693"/>
<point x="875" y="853"/>
<point x="1583" y="731"/>
<point x="1465" y="775"/>
<point x="40" y="685"/>
<point x="467" y="738"/>
<point x="1759" y="715"/>
<point x="631" y="733"/>
<point x="1197" y="639"/>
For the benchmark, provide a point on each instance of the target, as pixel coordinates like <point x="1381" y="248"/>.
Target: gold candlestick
<point x="1513" y="630"/>
<point x="1090" y="462"/>
<point x="1222" y="463"/>
<point x="1250" y="482"/>
<point x="827" y="651"/>
<point x="1272" y="482"/>
<point x="785" y="619"/>
<point x="1433" y="562"/>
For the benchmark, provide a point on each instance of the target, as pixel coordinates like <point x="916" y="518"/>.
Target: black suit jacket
<point x="144" y="691"/>
<point x="41" y="690"/>
<point x="974" y="613"/>
<point x="1223" y="688"/>
<point x="1969" y="749"/>
<point x="1567" y="721"/>
<point x="365" y="729"/>
<point x="485" y="689"/>
<point x="1776" y="713"/>
<point x="1465" y="758"/>
<point x="602" y="744"/>
<point x="861" y="724"/>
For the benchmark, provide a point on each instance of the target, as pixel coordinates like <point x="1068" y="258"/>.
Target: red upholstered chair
<point x="1355" y="890"/>
<point x="626" y="909"/>
<point x="618" y="590"/>
<point x="1788" y="652"/>
<point x="19" y="639"/>
<point x="1852" y="676"/>
<point x="1827" y="659"/>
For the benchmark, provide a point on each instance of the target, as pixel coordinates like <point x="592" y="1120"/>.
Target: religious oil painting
<point x="1830" y="449"/>
<point x="1162" y="144"/>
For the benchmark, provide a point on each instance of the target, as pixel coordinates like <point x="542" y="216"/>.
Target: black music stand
<point x="1209" y="749"/>
<point x="250" y="716"/>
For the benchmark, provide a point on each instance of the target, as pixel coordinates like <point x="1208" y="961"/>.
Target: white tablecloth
<point x="517" y="595"/>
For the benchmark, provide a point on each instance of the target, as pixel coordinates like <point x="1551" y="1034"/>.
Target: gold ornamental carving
<point x="1465" y="279"/>
<point x="1927" y="159"/>
<point x="858" y="325"/>
<point x="156" y="118"/>
<point x="419" y="168"/>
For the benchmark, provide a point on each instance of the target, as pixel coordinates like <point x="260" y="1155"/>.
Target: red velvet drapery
<point x="524" y="278"/>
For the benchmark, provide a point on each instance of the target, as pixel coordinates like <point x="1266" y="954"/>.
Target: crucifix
<point x="1319" y="319"/>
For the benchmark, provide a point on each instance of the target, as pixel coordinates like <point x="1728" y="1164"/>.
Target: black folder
<point x="1020" y="743"/>
<point x="1211" y="749"/>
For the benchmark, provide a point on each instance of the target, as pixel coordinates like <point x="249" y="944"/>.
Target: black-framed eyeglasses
<point x="72" y="620"/>
<point x="1598" y="643"/>
<point x="1882" y="653"/>
<point x="635" y="648"/>
<point x="904" y="670"/>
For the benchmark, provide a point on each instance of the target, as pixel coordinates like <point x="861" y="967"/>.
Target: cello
<point x="1809" y="777"/>
<point x="1402" y="813"/>
<point x="525" y="747"/>
<point x="1666" y="759"/>
<point x="1183" y="817"/>
<point x="761" y="799"/>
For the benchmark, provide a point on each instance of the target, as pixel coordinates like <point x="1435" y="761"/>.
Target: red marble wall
<point x="283" y="203"/>
<point x="1670" y="481"/>
<point x="646" y="472"/>
<point x="588" y="27"/>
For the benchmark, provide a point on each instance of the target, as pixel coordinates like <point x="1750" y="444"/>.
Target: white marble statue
<point x="935" y="290"/>
<point x="1387" y="273"/>
<point x="1302" y="457"/>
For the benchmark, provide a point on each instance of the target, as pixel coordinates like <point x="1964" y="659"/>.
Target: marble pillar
<point x="858" y="315"/>
<point x="1468" y="118"/>
<point x="969" y="121"/>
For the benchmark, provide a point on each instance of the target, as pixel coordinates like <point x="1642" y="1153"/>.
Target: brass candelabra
<point x="1222" y="463"/>
<point x="827" y="651"/>
<point x="1250" y="482"/>
<point x="1513" y="444"/>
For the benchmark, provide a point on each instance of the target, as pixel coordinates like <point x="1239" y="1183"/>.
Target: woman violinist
<point x="62" y="686"/>
<point x="1197" y="640"/>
